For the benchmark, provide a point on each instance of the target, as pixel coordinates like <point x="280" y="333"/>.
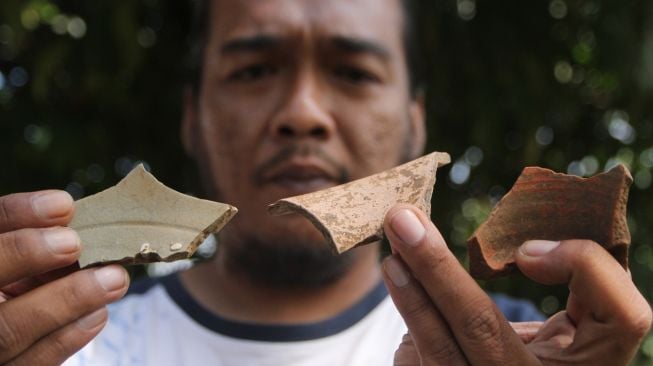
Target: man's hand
<point x="48" y="311"/>
<point x="451" y="320"/>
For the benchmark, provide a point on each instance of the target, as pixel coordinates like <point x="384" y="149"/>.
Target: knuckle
<point x="5" y="203"/>
<point x="639" y="324"/>
<point x="587" y="249"/>
<point x="484" y="325"/>
<point x="13" y="209"/>
<point x="16" y="246"/>
<point x="585" y="254"/>
<point x="445" y="353"/>
<point x="73" y="295"/>
<point x="417" y="309"/>
<point x="59" y="346"/>
<point x="9" y="338"/>
<point x="82" y="292"/>
<point x="582" y="249"/>
<point x="439" y="258"/>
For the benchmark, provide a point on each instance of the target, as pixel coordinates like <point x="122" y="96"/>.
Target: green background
<point x="88" y="88"/>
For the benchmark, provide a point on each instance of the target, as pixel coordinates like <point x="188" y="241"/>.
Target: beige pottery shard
<point x="552" y="206"/>
<point x="140" y="221"/>
<point x="352" y="214"/>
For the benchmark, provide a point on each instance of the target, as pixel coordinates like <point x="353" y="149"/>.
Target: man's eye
<point x="252" y="72"/>
<point x="355" y="75"/>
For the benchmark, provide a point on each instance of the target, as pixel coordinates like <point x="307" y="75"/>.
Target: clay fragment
<point x="553" y="206"/>
<point x="352" y="214"/>
<point x="140" y="220"/>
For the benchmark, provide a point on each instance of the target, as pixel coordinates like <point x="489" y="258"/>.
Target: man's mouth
<point x="304" y="185"/>
<point x="301" y="175"/>
<point x="298" y="178"/>
<point x="299" y="169"/>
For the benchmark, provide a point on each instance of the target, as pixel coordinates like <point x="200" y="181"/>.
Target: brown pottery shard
<point x="352" y="214"/>
<point x="140" y="221"/>
<point x="553" y="206"/>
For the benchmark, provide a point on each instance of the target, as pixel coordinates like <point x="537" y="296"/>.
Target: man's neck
<point x="236" y="297"/>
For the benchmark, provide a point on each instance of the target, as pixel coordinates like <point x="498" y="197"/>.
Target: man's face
<point x="298" y="96"/>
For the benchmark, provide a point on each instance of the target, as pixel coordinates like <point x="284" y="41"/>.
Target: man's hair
<point x="199" y="33"/>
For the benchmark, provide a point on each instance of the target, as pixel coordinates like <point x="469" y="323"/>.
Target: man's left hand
<point x="452" y="321"/>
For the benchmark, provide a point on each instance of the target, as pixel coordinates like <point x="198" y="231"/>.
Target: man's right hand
<point x="48" y="310"/>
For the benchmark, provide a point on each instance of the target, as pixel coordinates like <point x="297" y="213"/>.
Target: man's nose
<point x="303" y="112"/>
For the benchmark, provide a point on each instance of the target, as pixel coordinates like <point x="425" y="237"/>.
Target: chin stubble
<point x="288" y="265"/>
<point x="292" y="264"/>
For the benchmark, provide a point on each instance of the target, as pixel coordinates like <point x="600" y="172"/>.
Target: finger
<point x="526" y="330"/>
<point x="58" y="273"/>
<point x="30" y="317"/>
<point x="29" y="283"/>
<point x="20" y="287"/>
<point x="406" y="354"/>
<point x="481" y="330"/>
<point x="35" y="209"/>
<point x="557" y="332"/>
<point x="55" y="348"/>
<point x="431" y="334"/>
<point x="595" y="278"/>
<point x="28" y="252"/>
<point x="604" y="301"/>
<point x="553" y="339"/>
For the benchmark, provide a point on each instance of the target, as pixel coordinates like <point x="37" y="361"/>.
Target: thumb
<point x="595" y="279"/>
<point x="537" y="259"/>
<point x="605" y="304"/>
<point x="556" y="262"/>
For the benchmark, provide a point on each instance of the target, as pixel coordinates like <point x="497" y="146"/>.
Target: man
<point x="295" y="96"/>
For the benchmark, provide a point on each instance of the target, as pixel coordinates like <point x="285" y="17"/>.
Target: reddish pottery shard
<point x="352" y="214"/>
<point x="552" y="206"/>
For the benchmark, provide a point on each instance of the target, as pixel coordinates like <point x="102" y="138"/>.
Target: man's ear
<point x="417" y="117"/>
<point x="189" y="122"/>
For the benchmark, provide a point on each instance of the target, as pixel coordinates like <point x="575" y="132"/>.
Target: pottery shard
<point x="352" y="214"/>
<point x="553" y="206"/>
<point x="140" y="221"/>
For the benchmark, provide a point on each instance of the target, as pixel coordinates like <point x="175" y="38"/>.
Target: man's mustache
<point x="288" y="152"/>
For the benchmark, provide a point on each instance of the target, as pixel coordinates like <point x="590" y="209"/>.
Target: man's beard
<point x="289" y="265"/>
<point x="294" y="263"/>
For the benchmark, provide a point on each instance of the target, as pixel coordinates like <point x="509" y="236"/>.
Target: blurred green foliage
<point x="88" y="88"/>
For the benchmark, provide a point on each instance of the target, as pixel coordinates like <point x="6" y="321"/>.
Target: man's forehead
<point x="365" y="19"/>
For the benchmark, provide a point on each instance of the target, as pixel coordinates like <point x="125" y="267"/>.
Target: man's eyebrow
<point x="250" y="44"/>
<point x="357" y="45"/>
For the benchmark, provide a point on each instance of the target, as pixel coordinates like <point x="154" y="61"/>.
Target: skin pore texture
<point x="294" y="97"/>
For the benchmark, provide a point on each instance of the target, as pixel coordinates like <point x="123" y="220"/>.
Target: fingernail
<point x="52" y="204"/>
<point x="62" y="241"/>
<point x="538" y="248"/>
<point x="408" y="227"/>
<point x="396" y="271"/>
<point x="111" y="278"/>
<point x="93" y="319"/>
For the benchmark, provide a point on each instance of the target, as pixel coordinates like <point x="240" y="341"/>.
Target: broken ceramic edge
<point x="362" y="220"/>
<point x="616" y="182"/>
<point x="283" y="207"/>
<point x="289" y="207"/>
<point x="120" y="224"/>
